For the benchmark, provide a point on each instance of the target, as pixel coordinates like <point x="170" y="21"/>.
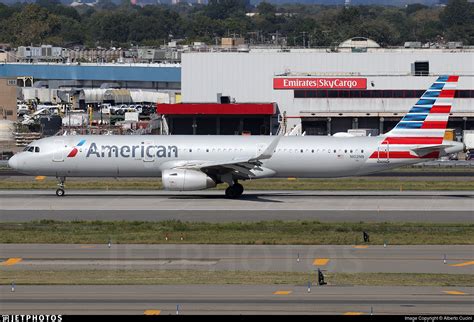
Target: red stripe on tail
<point x="440" y="109"/>
<point x="412" y="140"/>
<point x="447" y="93"/>
<point x="402" y="155"/>
<point x="434" y="124"/>
<point x="452" y="79"/>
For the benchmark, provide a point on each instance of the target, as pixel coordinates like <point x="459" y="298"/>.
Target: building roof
<point x="96" y="72"/>
<point x="359" y="42"/>
<point x="217" y="109"/>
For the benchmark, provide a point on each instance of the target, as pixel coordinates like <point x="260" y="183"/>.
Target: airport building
<point x="8" y="94"/>
<point x="88" y="75"/>
<point x="322" y="92"/>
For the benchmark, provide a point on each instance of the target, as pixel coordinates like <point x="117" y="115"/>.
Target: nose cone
<point x="13" y="162"/>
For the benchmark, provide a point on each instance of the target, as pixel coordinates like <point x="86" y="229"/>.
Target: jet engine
<point x="186" y="180"/>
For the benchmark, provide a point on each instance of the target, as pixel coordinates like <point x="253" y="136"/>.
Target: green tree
<point x="28" y="26"/>
<point x="222" y="9"/>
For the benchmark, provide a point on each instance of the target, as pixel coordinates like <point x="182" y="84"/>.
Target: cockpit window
<point x="31" y="149"/>
<point x="37" y="149"/>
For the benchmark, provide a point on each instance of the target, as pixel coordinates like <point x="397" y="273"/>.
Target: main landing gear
<point x="234" y="191"/>
<point x="60" y="191"/>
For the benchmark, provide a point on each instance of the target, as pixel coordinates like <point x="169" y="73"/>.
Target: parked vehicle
<point x="22" y="109"/>
<point x="105" y="108"/>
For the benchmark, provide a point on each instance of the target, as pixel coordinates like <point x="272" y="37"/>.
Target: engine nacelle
<point x="186" y="180"/>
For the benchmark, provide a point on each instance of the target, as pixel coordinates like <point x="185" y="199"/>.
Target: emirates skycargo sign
<point x="319" y="83"/>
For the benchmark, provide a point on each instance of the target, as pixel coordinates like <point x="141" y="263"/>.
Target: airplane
<point x="193" y="162"/>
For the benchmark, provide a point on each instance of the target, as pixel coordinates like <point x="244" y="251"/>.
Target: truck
<point x="468" y="140"/>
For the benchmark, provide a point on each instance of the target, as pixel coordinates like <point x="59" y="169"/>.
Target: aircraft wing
<point x="239" y="168"/>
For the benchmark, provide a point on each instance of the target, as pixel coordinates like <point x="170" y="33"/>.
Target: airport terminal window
<point x="386" y="93"/>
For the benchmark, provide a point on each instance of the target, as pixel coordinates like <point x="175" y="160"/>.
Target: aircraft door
<point x="383" y="153"/>
<point x="58" y="155"/>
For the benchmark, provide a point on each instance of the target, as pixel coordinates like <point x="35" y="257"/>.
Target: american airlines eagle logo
<point x="74" y="151"/>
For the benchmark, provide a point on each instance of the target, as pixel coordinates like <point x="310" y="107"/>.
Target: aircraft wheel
<point x="60" y="192"/>
<point x="234" y="191"/>
<point x="230" y="192"/>
<point x="238" y="188"/>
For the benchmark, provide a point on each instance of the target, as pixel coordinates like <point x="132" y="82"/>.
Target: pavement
<point x="279" y="258"/>
<point x="235" y="299"/>
<point x="212" y="206"/>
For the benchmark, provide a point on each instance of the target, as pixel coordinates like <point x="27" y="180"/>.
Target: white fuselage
<point x="148" y="156"/>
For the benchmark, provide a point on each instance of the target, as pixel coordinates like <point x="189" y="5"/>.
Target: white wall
<point x="248" y="77"/>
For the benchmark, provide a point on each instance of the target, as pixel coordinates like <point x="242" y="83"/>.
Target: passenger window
<point x="190" y="150"/>
<point x="37" y="149"/>
<point x="301" y="150"/>
<point x="361" y="151"/>
<point x="207" y="150"/>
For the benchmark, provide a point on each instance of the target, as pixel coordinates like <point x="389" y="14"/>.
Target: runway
<point x="212" y="206"/>
<point x="235" y="299"/>
<point x="279" y="258"/>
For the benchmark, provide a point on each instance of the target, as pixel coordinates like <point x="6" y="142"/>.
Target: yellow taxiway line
<point x="11" y="261"/>
<point x="320" y="261"/>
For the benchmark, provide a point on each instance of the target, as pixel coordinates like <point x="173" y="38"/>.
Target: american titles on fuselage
<point x="132" y="151"/>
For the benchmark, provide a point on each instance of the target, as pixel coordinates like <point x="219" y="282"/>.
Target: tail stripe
<point x="447" y="93"/>
<point x="431" y="111"/>
<point x="453" y="79"/>
<point x="423" y="126"/>
<point x="415" y="117"/>
<point x="412" y="140"/>
<point x="434" y="125"/>
<point x="431" y="94"/>
<point x="409" y="125"/>
<point x="440" y="109"/>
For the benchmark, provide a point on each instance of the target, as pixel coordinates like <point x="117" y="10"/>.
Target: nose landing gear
<point x="60" y="191"/>
<point x="234" y="191"/>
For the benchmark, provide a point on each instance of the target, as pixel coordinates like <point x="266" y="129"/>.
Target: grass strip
<point x="376" y="183"/>
<point x="260" y="233"/>
<point x="186" y="277"/>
